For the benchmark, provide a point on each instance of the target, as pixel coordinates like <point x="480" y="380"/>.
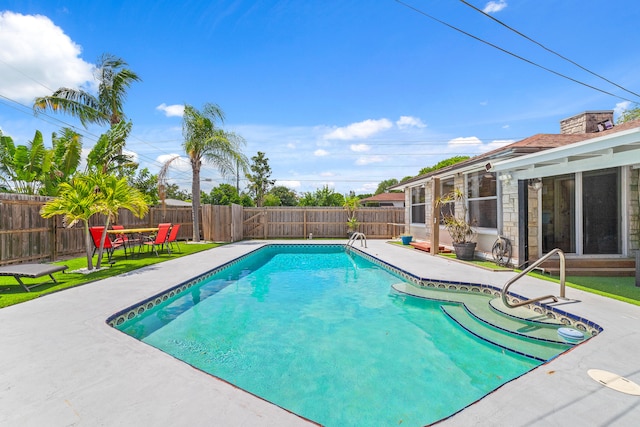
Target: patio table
<point x="143" y="233"/>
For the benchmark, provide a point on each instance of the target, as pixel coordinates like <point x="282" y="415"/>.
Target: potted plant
<point x="406" y="238"/>
<point x="460" y="228"/>
<point x="351" y="205"/>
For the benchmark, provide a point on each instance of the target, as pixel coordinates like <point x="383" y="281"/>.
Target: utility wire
<point x="548" y="49"/>
<point x="510" y="53"/>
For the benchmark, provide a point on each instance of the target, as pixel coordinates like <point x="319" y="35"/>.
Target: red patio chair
<point x="109" y="245"/>
<point x="160" y="239"/>
<point x="173" y="235"/>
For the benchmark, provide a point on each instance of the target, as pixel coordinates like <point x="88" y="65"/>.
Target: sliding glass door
<point x="581" y="213"/>
<point x="601" y="212"/>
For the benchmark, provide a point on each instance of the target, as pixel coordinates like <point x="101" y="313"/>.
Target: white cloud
<point x="494" y="6"/>
<point x="320" y="153"/>
<point x="359" y="148"/>
<point x="408" y="122"/>
<point x="327" y="174"/>
<point x="465" y="141"/>
<point x="175" y="110"/>
<point x="362" y="129"/>
<point x="37" y="58"/>
<point x="291" y="146"/>
<point x="366" y="160"/>
<point x="290" y="184"/>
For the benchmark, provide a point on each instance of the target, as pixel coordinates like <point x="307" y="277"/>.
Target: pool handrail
<point x="357" y="236"/>
<point x="530" y="268"/>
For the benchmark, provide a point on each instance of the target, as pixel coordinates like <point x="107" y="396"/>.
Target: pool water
<point x="318" y="332"/>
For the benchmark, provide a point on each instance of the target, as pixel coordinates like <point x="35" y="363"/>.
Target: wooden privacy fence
<point x="321" y="222"/>
<point x="27" y="237"/>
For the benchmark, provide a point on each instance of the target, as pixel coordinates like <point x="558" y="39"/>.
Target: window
<point x="483" y="199"/>
<point x="417" y="205"/>
<point x="446" y="209"/>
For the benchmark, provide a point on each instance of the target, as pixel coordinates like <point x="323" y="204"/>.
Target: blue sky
<point x="336" y="92"/>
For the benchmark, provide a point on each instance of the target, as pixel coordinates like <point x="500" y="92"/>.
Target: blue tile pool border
<point x="564" y="317"/>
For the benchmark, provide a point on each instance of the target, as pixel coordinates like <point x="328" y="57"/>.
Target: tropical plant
<point x="107" y="155"/>
<point x="67" y="150"/>
<point x="204" y="141"/>
<point x="76" y="201"/>
<point x="460" y="228"/>
<point x="114" y="194"/>
<point x="351" y="204"/>
<point x="114" y="79"/>
<point x="89" y="194"/>
<point x="24" y="167"/>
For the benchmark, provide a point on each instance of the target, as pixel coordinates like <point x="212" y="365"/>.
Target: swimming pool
<point x="333" y="344"/>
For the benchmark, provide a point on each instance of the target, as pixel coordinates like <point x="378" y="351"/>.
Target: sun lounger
<point x="32" y="271"/>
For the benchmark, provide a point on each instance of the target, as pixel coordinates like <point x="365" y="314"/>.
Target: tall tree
<point x="114" y="79"/>
<point x="204" y="141"/>
<point x="259" y="179"/>
<point x="629" y="114"/>
<point x="286" y="196"/>
<point x="382" y="187"/>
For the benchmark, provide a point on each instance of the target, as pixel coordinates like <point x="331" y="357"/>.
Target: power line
<point x="510" y="53"/>
<point x="547" y="49"/>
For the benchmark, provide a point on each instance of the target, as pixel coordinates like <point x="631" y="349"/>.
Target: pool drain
<point x="614" y="381"/>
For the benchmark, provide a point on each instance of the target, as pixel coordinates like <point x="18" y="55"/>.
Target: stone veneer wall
<point x="633" y="210"/>
<point x="510" y="215"/>
<point x="586" y="122"/>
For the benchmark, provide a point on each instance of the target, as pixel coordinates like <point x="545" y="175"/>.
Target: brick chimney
<point x="587" y="122"/>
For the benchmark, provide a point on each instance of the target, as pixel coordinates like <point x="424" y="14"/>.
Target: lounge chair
<point x="31" y="270"/>
<point x="160" y="239"/>
<point x="173" y="235"/>
<point x="109" y="245"/>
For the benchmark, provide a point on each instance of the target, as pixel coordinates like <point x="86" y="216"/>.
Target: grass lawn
<point x="12" y="293"/>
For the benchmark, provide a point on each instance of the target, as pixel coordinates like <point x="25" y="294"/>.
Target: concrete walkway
<point x="62" y="365"/>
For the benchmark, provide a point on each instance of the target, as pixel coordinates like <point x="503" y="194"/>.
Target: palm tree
<point x="204" y="141"/>
<point x="67" y="149"/>
<point x="107" y="155"/>
<point x="77" y="201"/>
<point x="113" y="194"/>
<point x="107" y="108"/>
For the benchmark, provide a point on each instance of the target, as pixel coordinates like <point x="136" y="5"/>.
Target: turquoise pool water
<point x="317" y="331"/>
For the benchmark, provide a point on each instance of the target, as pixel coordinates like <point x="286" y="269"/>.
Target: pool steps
<point x="520" y="330"/>
<point x="525" y="345"/>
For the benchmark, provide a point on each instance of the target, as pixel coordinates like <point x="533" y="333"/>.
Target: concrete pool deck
<point x="61" y="364"/>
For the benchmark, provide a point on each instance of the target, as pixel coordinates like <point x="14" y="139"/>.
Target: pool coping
<point x="62" y="364"/>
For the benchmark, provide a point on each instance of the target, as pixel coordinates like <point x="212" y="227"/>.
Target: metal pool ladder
<point x="357" y="236"/>
<point x="531" y="267"/>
